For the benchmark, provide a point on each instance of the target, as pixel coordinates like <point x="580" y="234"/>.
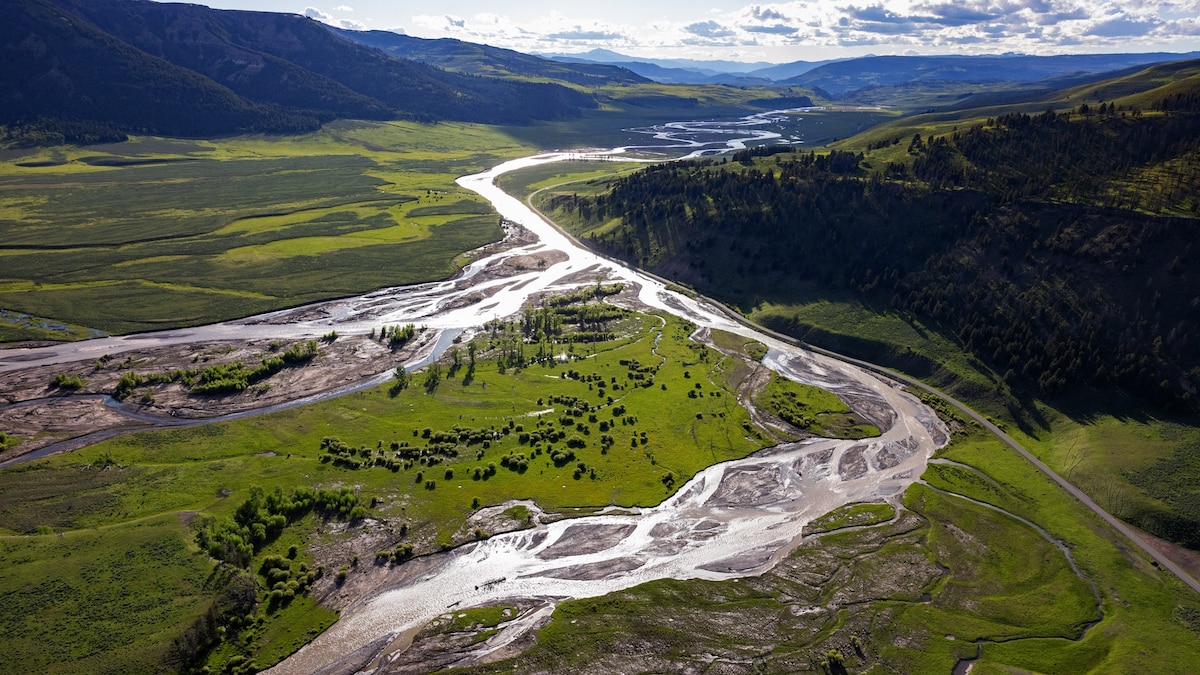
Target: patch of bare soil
<point x="38" y="414"/>
<point x="499" y="519"/>
<point x="41" y="423"/>
<point x="583" y="539"/>
<point x="853" y="463"/>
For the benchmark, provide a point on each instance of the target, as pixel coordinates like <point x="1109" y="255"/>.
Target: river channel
<point x="731" y="520"/>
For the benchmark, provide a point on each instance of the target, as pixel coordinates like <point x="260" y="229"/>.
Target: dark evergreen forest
<point x="1057" y="248"/>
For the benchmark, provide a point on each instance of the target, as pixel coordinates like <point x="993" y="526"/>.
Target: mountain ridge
<point x="188" y="70"/>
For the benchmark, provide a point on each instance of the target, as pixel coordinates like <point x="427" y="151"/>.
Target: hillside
<point x="187" y="70"/>
<point x="842" y="77"/>
<point x="1056" y="248"/>
<point x="61" y="67"/>
<point x="479" y="59"/>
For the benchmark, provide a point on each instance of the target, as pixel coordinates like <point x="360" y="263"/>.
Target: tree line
<point x="1057" y="248"/>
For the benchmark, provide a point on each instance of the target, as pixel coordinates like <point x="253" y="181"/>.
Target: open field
<point x="154" y="233"/>
<point x="100" y="600"/>
<point x="512" y="432"/>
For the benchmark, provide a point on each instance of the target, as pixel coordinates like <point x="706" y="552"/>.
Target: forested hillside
<point x="186" y="70"/>
<point x="1057" y="248"/>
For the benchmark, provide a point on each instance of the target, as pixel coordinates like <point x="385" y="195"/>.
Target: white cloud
<point x="314" y="13"/>
<point x="709" y="29"/>
<point x="894" y="26"/>
<point x="329" y="19"/>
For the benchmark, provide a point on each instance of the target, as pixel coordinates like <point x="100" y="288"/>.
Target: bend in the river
<point x="733" y="519"/>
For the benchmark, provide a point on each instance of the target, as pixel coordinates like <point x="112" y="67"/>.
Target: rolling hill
<point x="842" y="77"/>
<point x="478" y="59"/>
<point x="187" y="70"/>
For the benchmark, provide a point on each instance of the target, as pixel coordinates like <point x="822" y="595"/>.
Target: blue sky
<point x="776" y="32"/>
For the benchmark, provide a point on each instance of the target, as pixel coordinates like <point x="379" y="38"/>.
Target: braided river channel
<point x="731" y="520"/>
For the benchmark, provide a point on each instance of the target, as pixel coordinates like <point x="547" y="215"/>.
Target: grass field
<point x="812" y="409"/>
<point x="657" y="430"/>
<point x="155" y="233"/>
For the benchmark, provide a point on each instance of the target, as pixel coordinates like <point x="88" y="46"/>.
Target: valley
<point x="348" y="351"/>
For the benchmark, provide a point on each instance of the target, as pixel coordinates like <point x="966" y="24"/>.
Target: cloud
<point x="875" y="14"/>
<point x="314" y="13"/>
<point x="1122" y="27"/>
<point x="709" y="29"/>
<point x="977" y="26"/>
<point x="580" y="34"/>
<point x="318" y="15"/>
<point x="766" y="14"/>
<point x="960" y="15"/>
<point x="777" y="29"/>
<point x="343" y="8"/>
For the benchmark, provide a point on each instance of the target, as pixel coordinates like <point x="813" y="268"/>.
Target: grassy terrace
<point x="156" y="233"/>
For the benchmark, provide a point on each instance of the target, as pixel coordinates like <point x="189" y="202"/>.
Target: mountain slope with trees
<point x="187" y="70"/>
<point x="1057" y="248"/>
<point x="59" y="66"/>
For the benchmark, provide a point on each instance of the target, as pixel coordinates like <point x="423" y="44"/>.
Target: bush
<point x="69" y="382"/>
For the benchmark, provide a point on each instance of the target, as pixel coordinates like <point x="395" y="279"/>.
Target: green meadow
<point x="573" y="426"/>
<point x="104" y="572"/>
<point x="154" y="233"/>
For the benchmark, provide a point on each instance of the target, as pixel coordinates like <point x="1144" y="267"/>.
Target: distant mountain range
<point x="844" y="76"/>
<point x="88" y="70"/>
<point x="177" y="69"/>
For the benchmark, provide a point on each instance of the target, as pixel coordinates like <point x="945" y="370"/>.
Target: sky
<point x="776" y="32"/>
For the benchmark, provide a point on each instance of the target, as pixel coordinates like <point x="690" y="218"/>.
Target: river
<point x="733" y="519"/>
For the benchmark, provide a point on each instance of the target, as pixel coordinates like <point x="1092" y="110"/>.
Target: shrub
<point x="69" y="382"/>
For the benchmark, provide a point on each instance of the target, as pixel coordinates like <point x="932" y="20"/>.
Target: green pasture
<point x="584" y="177"/>
<point x="848" y="326"/>
<point x="663" y="429"/>
<point x="155" y="233"/>
<point x="1139" y="600"/>
<point x="812" y="409"/>
<point x="105" y="600"/>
